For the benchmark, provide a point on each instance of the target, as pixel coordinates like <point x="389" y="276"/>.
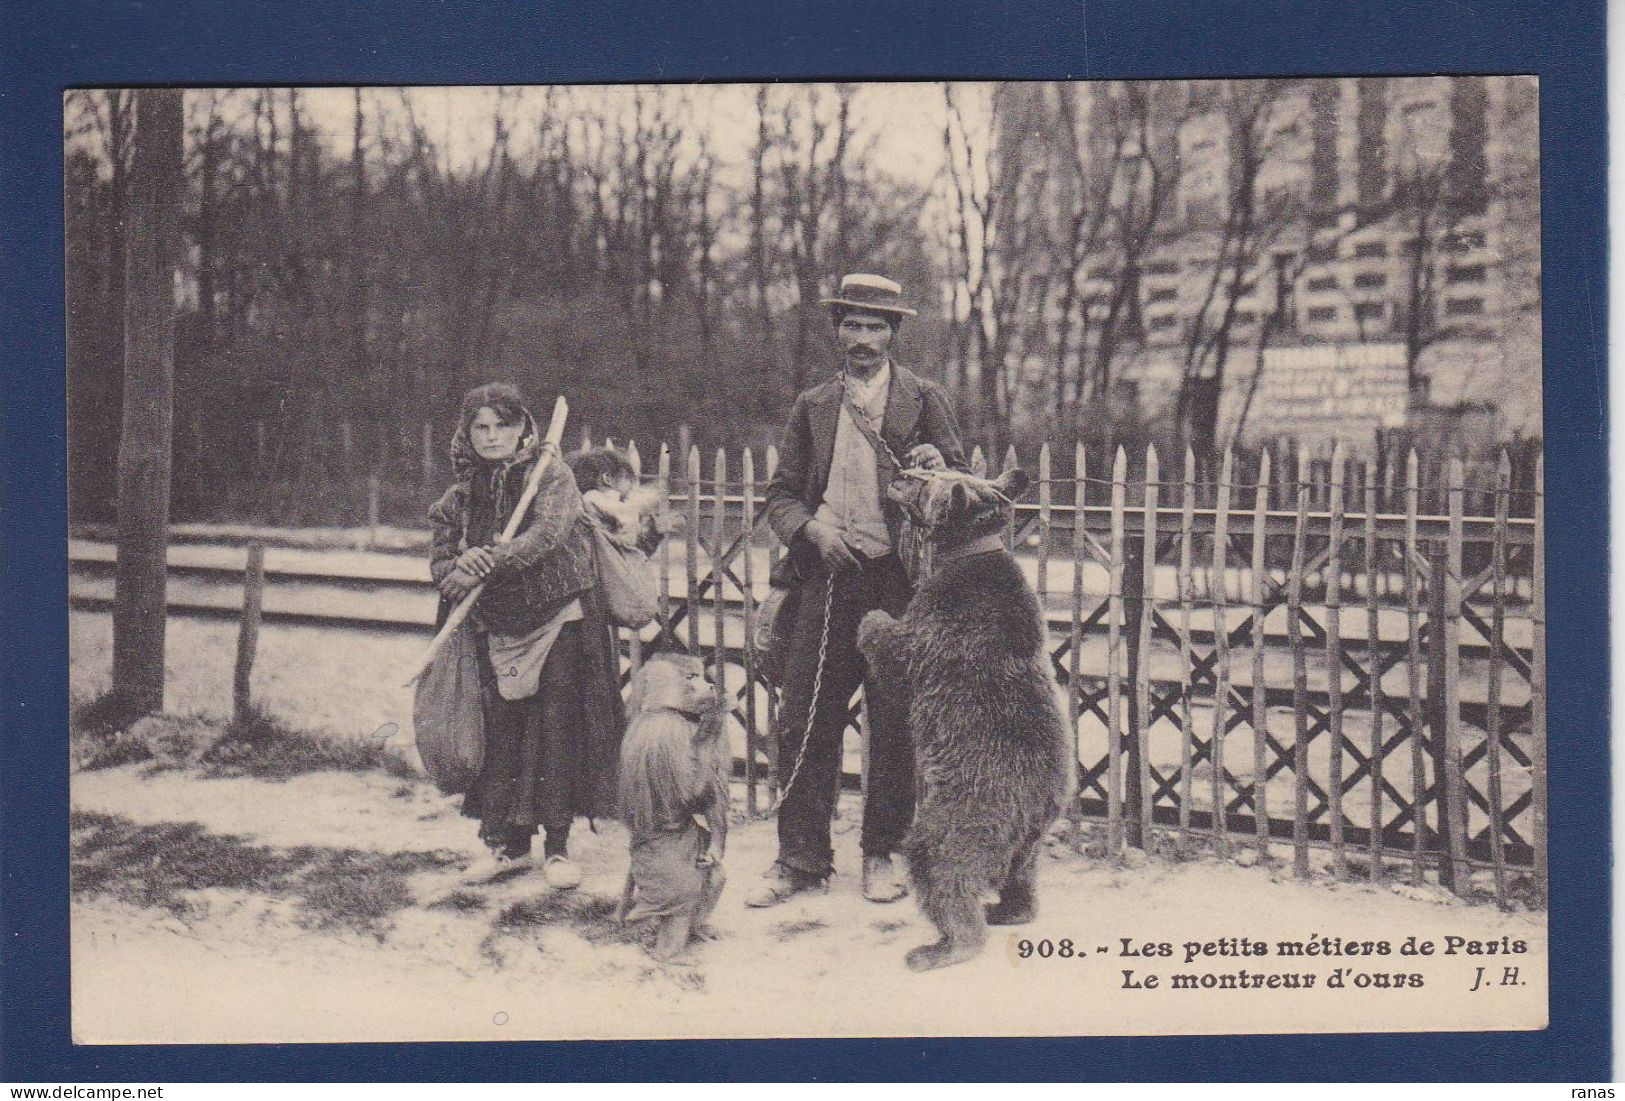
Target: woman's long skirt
<point x="536" y="753"/>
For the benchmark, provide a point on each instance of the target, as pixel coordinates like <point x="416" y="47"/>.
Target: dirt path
<point x="334" y="913"/>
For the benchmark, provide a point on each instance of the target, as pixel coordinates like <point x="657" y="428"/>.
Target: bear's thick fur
<point x="990" y="742"/>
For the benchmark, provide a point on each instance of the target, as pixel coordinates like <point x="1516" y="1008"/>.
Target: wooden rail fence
<point x="1269" y="660"/>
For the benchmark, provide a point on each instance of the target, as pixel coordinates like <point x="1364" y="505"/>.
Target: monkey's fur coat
<point x="674" y="801"/>
<point x="990" y="744"/>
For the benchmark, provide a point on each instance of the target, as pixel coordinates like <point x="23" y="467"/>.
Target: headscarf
<point x="490" y="497"/>
<point x="509" y="405"/>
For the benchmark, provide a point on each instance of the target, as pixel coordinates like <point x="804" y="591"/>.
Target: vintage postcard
<point x="806" y="560"/>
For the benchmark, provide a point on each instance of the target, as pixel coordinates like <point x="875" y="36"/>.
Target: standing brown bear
<point x="990" y="744"/>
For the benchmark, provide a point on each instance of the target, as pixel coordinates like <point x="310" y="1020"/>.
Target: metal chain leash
<point x="812" y="704"/>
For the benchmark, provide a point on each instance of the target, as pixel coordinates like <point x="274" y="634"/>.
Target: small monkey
<point x="674" y="800"/>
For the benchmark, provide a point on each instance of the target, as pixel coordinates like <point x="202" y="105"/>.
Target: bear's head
<point x="952" y="507"/>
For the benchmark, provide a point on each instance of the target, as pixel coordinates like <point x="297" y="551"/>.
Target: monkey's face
<point x="676" y="682"/>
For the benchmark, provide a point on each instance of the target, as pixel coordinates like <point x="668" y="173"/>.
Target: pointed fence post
<point x="1114" y="683"/>
<point x="771" y="739"/>
<point x="1455" y="816"/>
<point x="663" y="488"/>
<point x="719" y="543"/>
<point x="1334" y="658"/>
<point x="634" y="643"/>
<point x="1184" y="582"/>
<point x="1074" y="809"/>
<point x="1219" y="591"/>
<point x="1140" y="656"/>
<point x="747" y="555"/>
<point x="1413" y="667"/>
<point x="1373" y="657"/>
<point x="1259" y="694"/>
<point x="1300" y="677"/>
<point x="692" y="551"/>
<point x="1492" y="707"/>
<point x="1044" y="505"/>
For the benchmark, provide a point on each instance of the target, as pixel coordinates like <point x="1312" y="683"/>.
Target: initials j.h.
<point x="1509" y="977"/>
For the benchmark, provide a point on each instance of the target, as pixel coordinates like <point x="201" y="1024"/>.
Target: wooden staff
<point x="550" y="448"/>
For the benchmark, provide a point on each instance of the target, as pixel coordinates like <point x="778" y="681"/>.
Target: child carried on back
<point x="629" y="513"/>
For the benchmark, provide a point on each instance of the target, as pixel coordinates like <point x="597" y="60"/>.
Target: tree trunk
<point x="364" y="409"/>
<point x="152" y="253"/>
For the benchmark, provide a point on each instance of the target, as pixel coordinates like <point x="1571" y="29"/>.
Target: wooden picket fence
<point x="1245" y="661"/>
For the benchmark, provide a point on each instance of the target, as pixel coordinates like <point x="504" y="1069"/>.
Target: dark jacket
<point x="548" y="562"/>
<point x="917" y="411"/>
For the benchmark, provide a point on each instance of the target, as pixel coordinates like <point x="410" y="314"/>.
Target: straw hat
<point x="874" y="293"/>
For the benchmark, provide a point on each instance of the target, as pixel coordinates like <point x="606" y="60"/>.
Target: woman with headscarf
<point x="551" y="679"/>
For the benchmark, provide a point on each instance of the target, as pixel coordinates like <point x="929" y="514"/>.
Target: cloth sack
<point x="627" y="580"/>
<point x="776" y="621"/>
<point x="518" y="659"/>
<point x="448" y="716"/>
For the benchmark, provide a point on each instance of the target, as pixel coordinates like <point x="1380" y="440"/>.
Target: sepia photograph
<point x="875" y="559"/>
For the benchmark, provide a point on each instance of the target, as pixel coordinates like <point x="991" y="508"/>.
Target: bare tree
<point x="1146" y="175"/>
<point x="153" y="253"/>
<point x="1090" y="207"/>
<point x="1252" y="223"/>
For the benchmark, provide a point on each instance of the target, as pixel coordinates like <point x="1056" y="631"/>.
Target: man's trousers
<point x="808" y="806"/>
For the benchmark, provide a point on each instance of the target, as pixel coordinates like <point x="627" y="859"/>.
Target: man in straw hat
<point x="844" y="442"/>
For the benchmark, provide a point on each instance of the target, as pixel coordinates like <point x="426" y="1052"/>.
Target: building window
<point x="1244" y="317"/>
<point x="1101" y="272"/>
<point x="1323" y="313"/>
<point x="1162" y="322"/>
<point x="1369" y="311"/>
<point x="1460" y="243"/>
<point x="1464" y="273"/>
<point x="1323" y="283"/>
<point x="1368" y="280"/>
<point x="1370" y="250"/>
<point x="1162" y="267"/>
<point x="1463" y="307"/>
<point x="1162" y="294"/>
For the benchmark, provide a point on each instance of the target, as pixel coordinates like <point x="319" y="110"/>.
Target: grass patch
<point x="788" y="930"/>
<point x="462" y="902"/>
<point x="98" y="731"/>
<point x="589" y="916"/>
<point x="156" y="865"/>
<point x="263" y="747"/>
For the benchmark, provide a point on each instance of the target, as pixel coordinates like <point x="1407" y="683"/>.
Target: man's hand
<point x="457" y="584"/>
<point x="832" y="546"/>
<point x="925" y="455"/>
<point x="478" y="562"/>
